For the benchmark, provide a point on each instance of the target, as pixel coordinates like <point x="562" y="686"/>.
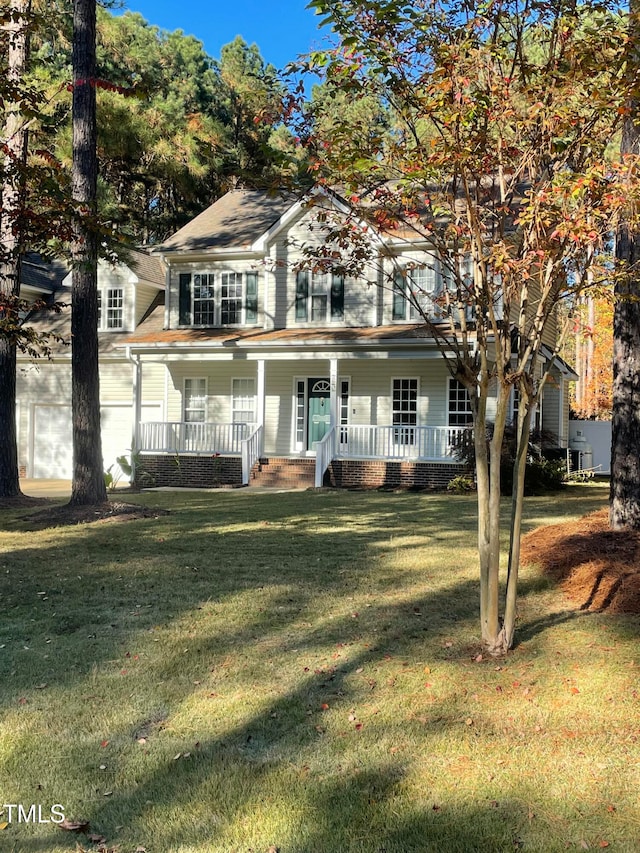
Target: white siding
<point x="145" y="294"/>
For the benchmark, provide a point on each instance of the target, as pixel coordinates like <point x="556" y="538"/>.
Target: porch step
<point x="283" y="472"/>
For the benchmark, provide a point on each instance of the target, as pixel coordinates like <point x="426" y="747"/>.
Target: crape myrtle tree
<point x="499" y="116"/>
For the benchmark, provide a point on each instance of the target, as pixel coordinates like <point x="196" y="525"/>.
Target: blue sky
<point x="282" y="30"/>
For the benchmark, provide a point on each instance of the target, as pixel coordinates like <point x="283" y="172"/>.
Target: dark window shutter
<point x="251" y="303"/>
<point x="302" y="294"/>
<point x="399" y="297"/>
<point x="185" y="299"/>
<point x="337" y="296"/>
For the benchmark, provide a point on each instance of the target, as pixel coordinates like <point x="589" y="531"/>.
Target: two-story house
<point x="226" y="357"/>
<point x="278" y="371"/>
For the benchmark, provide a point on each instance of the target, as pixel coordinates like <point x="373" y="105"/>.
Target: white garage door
<point x="53" y="455"/>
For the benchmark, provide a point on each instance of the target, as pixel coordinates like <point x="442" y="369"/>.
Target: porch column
<point x="260" y="393"/>
<point x="137" y="411"/>
<point x="333" y="383"/>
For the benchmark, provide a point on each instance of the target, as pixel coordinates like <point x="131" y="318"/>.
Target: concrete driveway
<point x="46" y="488"/>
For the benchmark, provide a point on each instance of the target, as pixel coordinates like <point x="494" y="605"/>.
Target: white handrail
<point x="191" y="437"/>
<point x="434" y="444"/>
<point x="325" y="452"/>
<point x="251" y="450"/>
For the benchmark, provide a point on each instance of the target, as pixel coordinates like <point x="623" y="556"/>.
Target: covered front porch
<point x="303" y="409"/>
<point x="363" y="442"/>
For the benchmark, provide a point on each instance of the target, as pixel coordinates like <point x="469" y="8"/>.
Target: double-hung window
<point x="405" y="410"/>
<point x="414" y="291"/>
<point x="204" y="305"/>
<point x="113" y="318"/>
<point x="243" y="401"/>
<point x="319" y="296"/>
<point x="195" y="400"/>
<point x="460" y="413"/>
<point x="218" y="299"/>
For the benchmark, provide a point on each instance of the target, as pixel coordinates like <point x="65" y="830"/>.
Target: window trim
<point x="332" y="292"/>
<point x="450" y="380"/>
<point x="205" y="407"/>
<point x="249" y="298"/>
<point x="407" y="431"/>
<point x="103" y="308"/>
<point x="254" y="397"/>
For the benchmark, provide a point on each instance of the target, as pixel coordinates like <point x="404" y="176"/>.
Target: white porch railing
<point x="325" y="452"/>
<point x="433" y="444"/>
<point x="197" y="437"/>
<point x="251" y="449"/>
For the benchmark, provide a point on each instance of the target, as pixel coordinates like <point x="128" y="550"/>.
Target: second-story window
<point x="218" y="299"/>
<point x="414" y="292"/>
<point x="112" y="318"/>
<point x="319" y="297"/>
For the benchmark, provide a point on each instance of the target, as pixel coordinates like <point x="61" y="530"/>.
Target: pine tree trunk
<point x="624" y="509"/>
<point x="88" y="485"/>
<point x="12" y="193"/>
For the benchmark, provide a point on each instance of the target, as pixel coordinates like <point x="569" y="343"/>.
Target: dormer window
<point x="110" y="309"/>
<point x="218" y="299"/>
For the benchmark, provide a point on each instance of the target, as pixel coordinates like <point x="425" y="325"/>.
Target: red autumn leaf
<point x="575" y="690"/>
<point x="104" y="743"/>
<point x="324" y="706"/>
<point x="359" y="726"/>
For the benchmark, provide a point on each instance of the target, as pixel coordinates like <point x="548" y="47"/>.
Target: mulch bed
<point x="598" y="568"/>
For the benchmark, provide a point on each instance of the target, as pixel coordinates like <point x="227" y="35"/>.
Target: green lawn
<point x="298" y="671"/>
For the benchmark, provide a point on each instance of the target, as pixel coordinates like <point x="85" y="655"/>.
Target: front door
<point x="319" y="413"/>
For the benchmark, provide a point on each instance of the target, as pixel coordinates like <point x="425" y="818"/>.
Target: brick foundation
<point x="203" y="472"/>
<point x="208" y="472"/>
<point x="378" y="474"/>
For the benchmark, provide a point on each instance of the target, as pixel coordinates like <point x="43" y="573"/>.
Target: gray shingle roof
<point x="235" y="220"/>
<point x="43" y="275"/>
<point x="146" y="266"/>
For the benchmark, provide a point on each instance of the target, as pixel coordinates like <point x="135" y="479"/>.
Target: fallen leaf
<point x="74" y="825"/>
<point x="359" y="726"/>
<point x="478" y="658"/>
<point x="575" y="690"/>
<point x="97" y="839"/>
<point x="359" y="669"/>
<point x="468" y="721"/>
<point x="3" y="825"/>
<point x="324" y="706"/>
<point x="104" y="743"/>
<point x="604" y="844"/>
